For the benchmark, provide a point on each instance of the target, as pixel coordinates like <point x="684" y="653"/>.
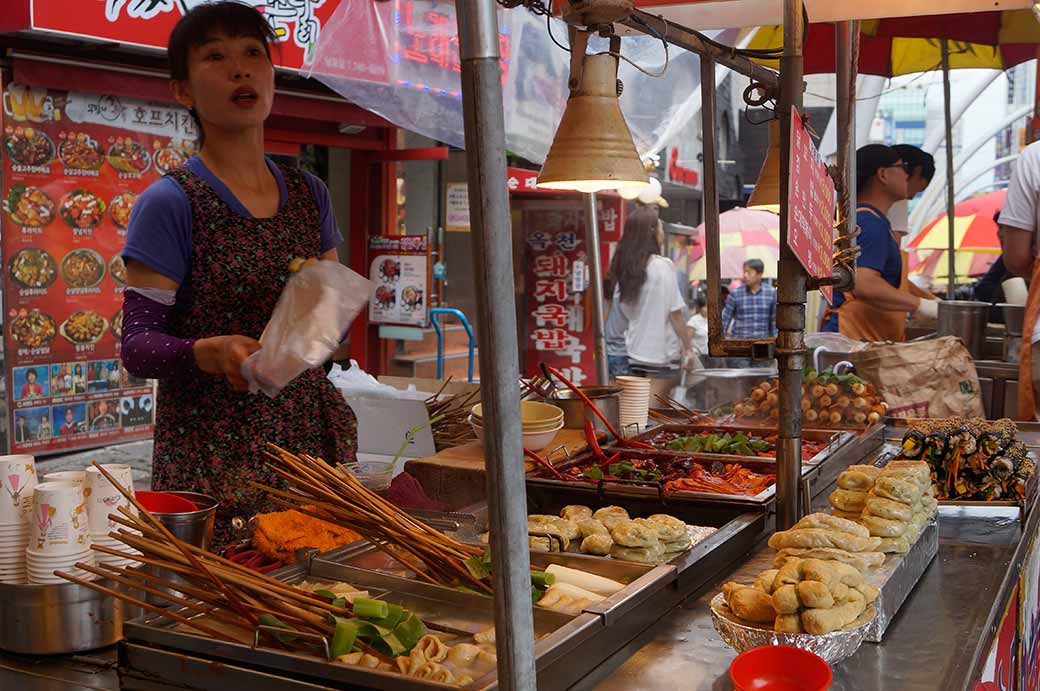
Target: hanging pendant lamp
<point x="593" y="148"/>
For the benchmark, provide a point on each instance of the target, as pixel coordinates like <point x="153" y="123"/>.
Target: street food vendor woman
<point x="207" y="255"/>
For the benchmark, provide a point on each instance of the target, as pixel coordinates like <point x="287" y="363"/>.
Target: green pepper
<point x="593" y="473"/>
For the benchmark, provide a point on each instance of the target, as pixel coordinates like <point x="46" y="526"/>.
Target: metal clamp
<point x="602" y="496"/>
<point x="274" y="630"/>
<point x="627" y="429"/>
<point x="566" y="454"/>
<point x="553" y="537"/>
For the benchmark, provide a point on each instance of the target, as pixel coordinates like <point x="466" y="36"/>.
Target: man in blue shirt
<point x="750" y="310"/>
<point x="881" y="180"/>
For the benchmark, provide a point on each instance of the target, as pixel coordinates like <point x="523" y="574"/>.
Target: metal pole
<point x="790" y="311"/>
<point x="845" y="47"/>
<point x="496" y="325"/>
<point x="711" y="209"/>
<point x="950" y="193"/>
<point x="596" y="279"/>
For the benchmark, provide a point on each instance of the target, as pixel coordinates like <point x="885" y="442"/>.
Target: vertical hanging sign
<point x="810" y="206"/>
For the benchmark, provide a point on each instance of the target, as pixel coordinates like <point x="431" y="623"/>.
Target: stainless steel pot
<point x="966" y="319"/>
<point x="193" y="527"/>
<point x="58" y="619"/>
<point x="709" y="388"/>
<point x="575" y="412"/>
<point x="1014" y="316"/>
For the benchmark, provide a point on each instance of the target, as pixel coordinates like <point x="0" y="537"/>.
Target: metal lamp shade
<point x="767" y="188"/>
<point x="593" y="148"/>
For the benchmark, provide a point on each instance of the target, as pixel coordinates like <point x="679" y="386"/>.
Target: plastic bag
<point x="313" y="313"/>
<point x="356" y="382"/>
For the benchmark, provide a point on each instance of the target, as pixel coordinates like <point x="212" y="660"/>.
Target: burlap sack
<point x="935" y="378"/>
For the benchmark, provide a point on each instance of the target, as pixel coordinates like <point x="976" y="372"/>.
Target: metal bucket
<point x="58" y="619"/>
<point x="193" y="527"/>
<point x="575" y="412"/>
<point x="966" y="319"/>
<point x="1014" y="316"/>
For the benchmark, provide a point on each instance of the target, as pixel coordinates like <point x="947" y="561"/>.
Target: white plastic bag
<point x="356" y="383"/>
<point x="313" y="313"/>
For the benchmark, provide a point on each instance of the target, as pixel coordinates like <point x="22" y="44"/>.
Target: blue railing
<point x="440" y="337"/>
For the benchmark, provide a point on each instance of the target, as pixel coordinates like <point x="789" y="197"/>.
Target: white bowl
<point x="533" y="441"/>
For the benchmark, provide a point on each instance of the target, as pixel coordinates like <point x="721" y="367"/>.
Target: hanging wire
<point x="664" y="42"/>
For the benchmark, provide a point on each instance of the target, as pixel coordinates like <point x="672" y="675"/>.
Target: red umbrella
<point x="974" y="227"/>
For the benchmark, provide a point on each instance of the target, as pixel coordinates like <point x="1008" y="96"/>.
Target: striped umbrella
<point x="908" y="45"/>
<point x="743" y="234"/>
<point x="973" y="226"/>
<point x="932" y="263"/>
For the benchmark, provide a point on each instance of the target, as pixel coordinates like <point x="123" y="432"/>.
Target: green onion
<point x="274" y="622"/>
<point x="542" y="580"/>
<point x="344" y="638"/>
<point x="366" y="608"/>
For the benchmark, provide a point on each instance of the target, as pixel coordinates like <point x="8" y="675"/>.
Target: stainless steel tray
<point x="57" y="619"/>
<point x="834" y="439"/>
<point x="898" y="576"/>
<point x="156" y="647"/>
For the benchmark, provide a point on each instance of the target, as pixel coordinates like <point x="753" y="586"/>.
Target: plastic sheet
<point x="407" y="71"/>
<point x="315" y="309"/>
<point x="832" y="647"/>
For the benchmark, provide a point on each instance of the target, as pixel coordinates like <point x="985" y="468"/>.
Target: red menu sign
<point x="70" y="179"/>
<point x="810" y="203"/>
<point x="559" y="319"/>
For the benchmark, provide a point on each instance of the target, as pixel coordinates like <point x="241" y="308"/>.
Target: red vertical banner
<point x="1001" y="669"/>
<point x="559" y="328"/>
<point x="73" y="165"/>
<point x="810" y="203"/>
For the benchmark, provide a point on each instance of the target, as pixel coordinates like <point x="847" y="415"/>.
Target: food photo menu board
<point x="73" y="165"/>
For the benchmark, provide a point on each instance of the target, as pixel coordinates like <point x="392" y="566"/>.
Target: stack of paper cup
<point x="76" y="477"/>
<point x="635" y="401"/>
<point x="103" y="500"/>
<point x="60" y="533"/>
<point x="17" y="481"/>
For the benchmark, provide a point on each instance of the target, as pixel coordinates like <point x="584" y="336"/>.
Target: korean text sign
<point x="810" y="200"/>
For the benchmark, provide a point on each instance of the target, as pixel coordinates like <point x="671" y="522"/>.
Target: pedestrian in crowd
<point x="648" y="296"/>
<point x="614" y="333"/>
<point x="1019" y="221"/>
<point x="990" y="287"/>
<point x="750" y="310"/>
<point x="881" y="181"/>
<point x="698" y="326"/>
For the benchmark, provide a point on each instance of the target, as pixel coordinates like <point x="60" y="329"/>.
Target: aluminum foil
<point x="897" y="577"/>
<point x="832" y="647"/>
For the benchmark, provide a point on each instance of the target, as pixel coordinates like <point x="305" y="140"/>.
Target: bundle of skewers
<point x="228" y="601"/>
<point x="971" y="459"/>
<point x="828" y="400"/>
<point x="449" y="414"/>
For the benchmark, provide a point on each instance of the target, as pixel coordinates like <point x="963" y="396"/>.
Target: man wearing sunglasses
<point x="865" y="314"/>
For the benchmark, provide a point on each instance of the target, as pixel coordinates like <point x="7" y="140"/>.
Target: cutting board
<point x="456" y="476"/>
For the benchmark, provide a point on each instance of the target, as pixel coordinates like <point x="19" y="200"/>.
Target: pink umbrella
<point x="743" y="234"/>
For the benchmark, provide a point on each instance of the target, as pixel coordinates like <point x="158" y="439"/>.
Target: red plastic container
<point x="779" y="668"/>
<point x="161" y="502"/>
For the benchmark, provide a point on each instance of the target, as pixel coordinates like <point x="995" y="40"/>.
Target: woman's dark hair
<point x="32" y="371"/>
<point x="230" y="18"/>
<point x="638" y="243"/>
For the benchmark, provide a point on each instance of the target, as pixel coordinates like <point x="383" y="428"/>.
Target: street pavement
<point x="137" y="454"/>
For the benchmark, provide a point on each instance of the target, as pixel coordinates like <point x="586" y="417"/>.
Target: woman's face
<point x="660" y="234"/>
<point x="230" y="83"/>
<point x="30" y="377"/>
<point x="68" y="415"/>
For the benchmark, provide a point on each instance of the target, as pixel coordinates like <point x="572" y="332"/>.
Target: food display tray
<point x="1029" y="432"/>
<point x="833" y="439"/>
<point x="157" y="651"/>
<point x="898" y="576"/>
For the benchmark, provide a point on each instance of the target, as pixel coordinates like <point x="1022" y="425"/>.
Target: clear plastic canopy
<point x="400" y="59"/>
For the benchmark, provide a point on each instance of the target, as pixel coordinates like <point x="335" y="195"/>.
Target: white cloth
<point x="650" y="338"/>
<point x="899" y="216"/>
<point x="1022" y="204"/>
<point x="699" y="324"/>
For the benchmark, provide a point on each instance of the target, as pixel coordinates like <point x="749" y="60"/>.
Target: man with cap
<point x="881" y="181"/>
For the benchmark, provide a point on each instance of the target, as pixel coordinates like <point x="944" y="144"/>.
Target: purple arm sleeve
<point x="149" y="351"/>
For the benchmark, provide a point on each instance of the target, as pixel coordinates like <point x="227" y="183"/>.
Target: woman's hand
<point x="225" y="355"/>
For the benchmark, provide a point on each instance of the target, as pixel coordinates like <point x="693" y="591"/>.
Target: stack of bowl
<point x="17" y="482"/>
<point x="103" y="500"/>
<point x="540" y="423"/>
<point x="60" y="533"/>
<point x="635" y="402"/>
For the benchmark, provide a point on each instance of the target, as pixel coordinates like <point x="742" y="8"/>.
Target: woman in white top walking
<point x="649" y="295"/>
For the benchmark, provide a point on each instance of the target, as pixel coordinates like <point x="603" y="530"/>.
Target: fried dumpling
<point x="591" y="526"/>
<point x="432" y="648"/>
<point x="599" y="545"/>
<point x="643" y="555"/>
<point x="461" y="656"/>
<point x="576" y="512"/>
<point x="486" y="636"/>
<point x="609" y="515"/>
<point x="633" y="534"/>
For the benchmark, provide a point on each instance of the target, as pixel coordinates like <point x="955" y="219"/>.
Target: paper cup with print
<point x="76" y="477"/>
<point x="58" y="519"/>
<point x="103" y="498"/>
<point x="17" y="480"/>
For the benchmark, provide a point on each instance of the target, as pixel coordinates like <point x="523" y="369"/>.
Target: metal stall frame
<point x="485" y="147"/>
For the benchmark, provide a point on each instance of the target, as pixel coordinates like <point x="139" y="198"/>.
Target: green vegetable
<point x="542" y="579"/>
<point x="593" y="473"/>
<point x="409" y="631"/>
<point x="340" y="602"/>
<point x="366" y="608"/>
<point x="395" y="616"/>
<point x="327" y="594"/>
<point x="467" y="589"/>
<point x="274" y="622"/>
<point x="479" y="567"/>
<point x="344" y="638"/>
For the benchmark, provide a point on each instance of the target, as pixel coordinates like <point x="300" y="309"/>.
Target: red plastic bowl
<point x="779" y="668"/>
<point x="162" y="502"/>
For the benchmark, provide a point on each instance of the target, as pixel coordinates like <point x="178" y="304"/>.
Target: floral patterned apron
<point x="208" y="437"/>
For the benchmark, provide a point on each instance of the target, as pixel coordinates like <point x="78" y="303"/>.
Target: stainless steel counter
<point x="930" y="645"/>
